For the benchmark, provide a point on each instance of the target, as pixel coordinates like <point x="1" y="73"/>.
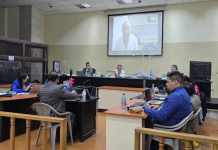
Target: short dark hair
<point x="188" y="85"/>
<point x="87" y="62"/>
<point x="53" y="76"/>
<point x="175" y="66"/>
<point x="175" y="75"/>
<point x="186" y="78"/>
<point x="21" y="77"/>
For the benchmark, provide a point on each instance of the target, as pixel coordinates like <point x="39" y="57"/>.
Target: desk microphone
<point x="71" y="72"/>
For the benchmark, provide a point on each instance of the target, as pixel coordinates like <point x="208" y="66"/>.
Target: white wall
<point x="9" y="20"/>
<point x="191" y="23"/>
<point x="76" y="29"/>
<point x="190" y="33"/>
<point x="37" y="30"/>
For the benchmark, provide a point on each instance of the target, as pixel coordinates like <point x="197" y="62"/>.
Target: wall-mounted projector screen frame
<point x="141" y="41"/>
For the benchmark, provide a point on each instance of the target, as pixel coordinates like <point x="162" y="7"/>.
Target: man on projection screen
<point x="127" y="41"/>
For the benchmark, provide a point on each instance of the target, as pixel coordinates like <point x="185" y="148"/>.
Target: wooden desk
<point x="117" y="111"/>
<point x="85" y="112"/>
<point x="5" y="85"/>
<point x="120" y="128"/>
<point x="18" y="104"/>
<point x="18" y="97"/>
<point x="119" y="88"/>
<point x="110" y="96"/>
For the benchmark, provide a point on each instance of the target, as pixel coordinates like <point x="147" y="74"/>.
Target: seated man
<point x="176" y="106"/>
<point x="88" y="70"/>
<point x="119" y="72"/>
<point x="54" y="94"/>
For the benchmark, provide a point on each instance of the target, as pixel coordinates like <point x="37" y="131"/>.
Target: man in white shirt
<point x="127" y="41"/>
<point x="119" y="72"/>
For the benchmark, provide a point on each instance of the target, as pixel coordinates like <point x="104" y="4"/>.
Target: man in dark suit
<point x="54" y="94"/>
<point x="88" y="70"/>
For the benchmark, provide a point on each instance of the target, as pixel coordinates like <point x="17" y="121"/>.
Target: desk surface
<point x="119" y="88"/>
<point x="117" y="111"/>
<point x="5" y="85"/>
<point x="18" y="97"/>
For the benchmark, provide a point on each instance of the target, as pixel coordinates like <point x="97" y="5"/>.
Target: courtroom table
<point x="119" y="88"/>
<point x="85" y="121"/>
<point x="120" y="128"/>
<point x="123" y="82"/>
<point x="110" y="96"/>
<point x="17" y="104"/>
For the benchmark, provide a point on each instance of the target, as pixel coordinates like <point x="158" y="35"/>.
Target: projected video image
<point x="135" y="34"/>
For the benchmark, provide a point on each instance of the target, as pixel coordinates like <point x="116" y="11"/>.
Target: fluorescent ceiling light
<point x="129" y="1"/>
<point x="83" y="5"/>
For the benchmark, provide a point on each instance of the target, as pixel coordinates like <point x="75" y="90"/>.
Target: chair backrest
<point x="44" y="109"/>
<point x="193" y="125"/>
<point x="197" y="113"/>
<point x="176" y="127"/>
<point x="91" y="91"/>
<point x="79" y="73"/>
<point x="196" y="103"/>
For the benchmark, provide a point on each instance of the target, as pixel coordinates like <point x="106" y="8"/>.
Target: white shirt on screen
<point x="130" y="46"/>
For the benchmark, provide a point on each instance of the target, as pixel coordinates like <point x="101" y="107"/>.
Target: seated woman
<point x="193" y="91"/>
<point x="21" y="84"/>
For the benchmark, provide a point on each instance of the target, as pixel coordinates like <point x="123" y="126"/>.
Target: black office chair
<point x="91" y="91"/>
<point x="79" y="73"/>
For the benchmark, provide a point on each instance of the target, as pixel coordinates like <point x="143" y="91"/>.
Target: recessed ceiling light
<point x="50" y="6"/>
<point x="129" y="1"/>
<point x="83" y="5"/>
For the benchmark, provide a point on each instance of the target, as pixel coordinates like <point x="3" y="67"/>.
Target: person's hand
<point x="154" y="106"/>
<point x="27" y="88"/>
<point x="74" y="92"/>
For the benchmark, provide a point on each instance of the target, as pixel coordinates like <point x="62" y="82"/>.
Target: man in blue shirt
<point x="177" y="104"/>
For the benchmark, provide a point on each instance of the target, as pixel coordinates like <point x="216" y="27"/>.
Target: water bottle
<point x="123" y="101"/>
<point x="71" y="72"/>
<point x="151" y="74"/>
<point x="84" y="95"/>
<point x="156" y="90"/>
<point x="152" y="91"/>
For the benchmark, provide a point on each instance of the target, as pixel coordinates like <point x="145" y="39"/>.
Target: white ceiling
<point x="65" y="6"/>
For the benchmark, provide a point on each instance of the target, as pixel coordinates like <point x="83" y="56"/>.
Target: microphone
<point x="71" y="72"/>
